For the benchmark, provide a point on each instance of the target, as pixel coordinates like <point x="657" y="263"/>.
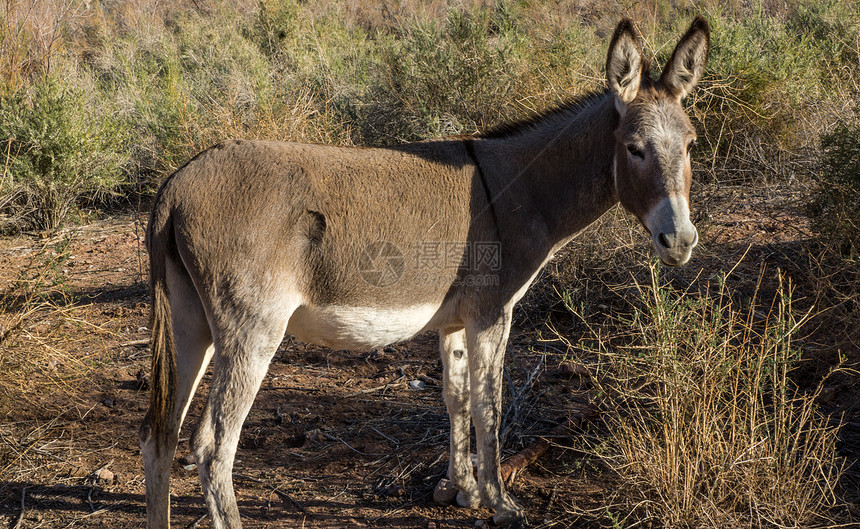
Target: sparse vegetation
<point x="36" y="307"/>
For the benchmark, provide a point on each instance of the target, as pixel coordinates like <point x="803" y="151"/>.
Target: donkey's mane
<point x="572" y="107"/>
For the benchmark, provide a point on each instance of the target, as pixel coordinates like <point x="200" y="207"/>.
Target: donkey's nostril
<point x="664" y="242"/>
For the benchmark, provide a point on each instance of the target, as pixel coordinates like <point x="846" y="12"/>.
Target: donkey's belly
<point x="341" y="327"/>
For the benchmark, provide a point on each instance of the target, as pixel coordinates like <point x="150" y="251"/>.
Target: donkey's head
<point x="655" y="136"/>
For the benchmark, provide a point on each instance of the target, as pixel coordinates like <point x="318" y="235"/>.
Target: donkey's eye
<point x="690" y="146"/>
<point x="635" y="151"/>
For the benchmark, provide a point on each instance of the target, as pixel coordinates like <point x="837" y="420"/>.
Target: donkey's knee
<point x="455" y="362"/>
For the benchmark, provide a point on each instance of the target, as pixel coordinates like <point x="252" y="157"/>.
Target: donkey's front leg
<point x="486" y="343"/>
<point x="455" y="381"/>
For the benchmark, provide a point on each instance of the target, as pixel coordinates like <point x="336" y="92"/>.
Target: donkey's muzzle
<point x="676" y="248"/>
<point x="673" y="234"/>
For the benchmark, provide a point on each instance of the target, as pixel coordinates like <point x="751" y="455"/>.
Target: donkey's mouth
<point x="675" y="249"/>
<point x="673" y="262"/>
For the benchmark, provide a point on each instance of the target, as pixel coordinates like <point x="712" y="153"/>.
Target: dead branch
<point x="283" y="495"/>
<point x="445" y="492"/>
<point x="144" y="341"/>
<point x="538" y="447"/>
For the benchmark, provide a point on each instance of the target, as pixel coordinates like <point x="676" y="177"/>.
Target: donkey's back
<point x="307" y="213"/>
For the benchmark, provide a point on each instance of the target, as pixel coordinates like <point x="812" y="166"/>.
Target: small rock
<point x="313" y="436"/>
<point x="432" y="525"/>
<point x="395" y="491"/>
<point x="109" y="402"/>
<point x="480" y="523"/>
<point x="573" y="368"/>
<point x="105" y="475"/>
<point x="445" y="493"/>
<point x="417" y="384"/>
<point x="190" y="467"/>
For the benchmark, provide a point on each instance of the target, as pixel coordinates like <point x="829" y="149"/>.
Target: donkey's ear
<point x="687" y="64"/>
<point x="624" y="62"/>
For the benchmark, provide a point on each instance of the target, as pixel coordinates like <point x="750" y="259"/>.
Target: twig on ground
<point x="286" y="497"/>
<point x="283" y="495"/>
<point x="397" y="383"/>
<point x="144" y="341"/>
<point x="104" y="510"/>
<point x="551" y="498"/>
<point x="196" y="522"/>
<point x="392" y="441"/>
<point x="20" y="520"/>
<point x="429" y="380"/>
<point x="338" y="439"/>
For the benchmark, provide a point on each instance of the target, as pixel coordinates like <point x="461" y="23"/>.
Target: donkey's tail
<point x="161" y="243"/>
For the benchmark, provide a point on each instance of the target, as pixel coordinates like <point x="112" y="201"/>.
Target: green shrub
<point x="837" y="207"/>
<point x="58" y="152"/>
<point x="771" y="81"/>
<point x="438" y="80"/>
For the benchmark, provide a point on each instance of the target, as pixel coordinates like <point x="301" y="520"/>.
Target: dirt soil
<point x="335" y="439"/>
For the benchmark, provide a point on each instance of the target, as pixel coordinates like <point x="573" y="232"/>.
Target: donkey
<point x="355" y="248"/>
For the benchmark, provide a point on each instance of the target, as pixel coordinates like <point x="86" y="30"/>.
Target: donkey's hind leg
<point x="244" y="349"/>
<point x="455" y="380"/>
<point x="193" y="340"/>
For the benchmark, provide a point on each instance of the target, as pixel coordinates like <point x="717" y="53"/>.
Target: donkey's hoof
<point x="445" y="493"/>
<point x="469" y="501"/>
<point x="511" y="519"/>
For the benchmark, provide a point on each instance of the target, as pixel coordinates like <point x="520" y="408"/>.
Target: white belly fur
<point x="360" y="328"/>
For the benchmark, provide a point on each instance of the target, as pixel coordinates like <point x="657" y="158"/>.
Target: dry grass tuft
<point x="705" y="426"/>
<point x="37" y="314"/>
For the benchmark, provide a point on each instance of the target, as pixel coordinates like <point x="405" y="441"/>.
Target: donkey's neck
<point x="560" y="165"/>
